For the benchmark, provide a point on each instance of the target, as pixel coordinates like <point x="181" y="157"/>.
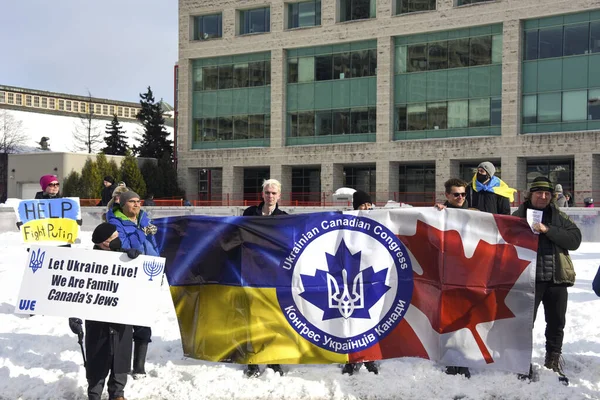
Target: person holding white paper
<point x="554" y="270"/>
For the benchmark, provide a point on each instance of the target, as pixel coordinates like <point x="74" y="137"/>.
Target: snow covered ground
<point x="40" y="358"/>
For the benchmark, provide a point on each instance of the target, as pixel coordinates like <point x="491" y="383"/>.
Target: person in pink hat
<point x="50" y="188"/>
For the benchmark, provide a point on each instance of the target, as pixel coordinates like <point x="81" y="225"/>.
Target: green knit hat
<point x="541" y="183"/>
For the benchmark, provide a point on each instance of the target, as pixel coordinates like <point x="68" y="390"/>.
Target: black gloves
<point x="76" y="326"/>
<point x="133" y="253"/>
<point x="19" y="225"/>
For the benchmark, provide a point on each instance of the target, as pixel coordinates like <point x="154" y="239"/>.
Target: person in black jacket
<point x="271" y="193"/>
<point x="554" y="270"/>
<point x="488" y="193"/>
<point x="456" y="194"/>
<point x="50" y="188"/>
<point x="107" y="345"/>
<point x="107" y="190"/>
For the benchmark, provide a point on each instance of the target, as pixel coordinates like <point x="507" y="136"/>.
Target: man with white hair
<point x="271" y="193"/>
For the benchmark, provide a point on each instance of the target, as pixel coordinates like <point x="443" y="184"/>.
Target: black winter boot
<point x="252" y="371"/>
<point x="348" y="369"/>
<point x="555" y="362"/>
<point x="276" y="368"/>
<point x="372" y="367"/>
<point x="458" y="371"/>
<point x="140" y="349"/>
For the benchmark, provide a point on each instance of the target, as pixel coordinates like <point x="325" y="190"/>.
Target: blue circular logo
<point x="351" y="283"/>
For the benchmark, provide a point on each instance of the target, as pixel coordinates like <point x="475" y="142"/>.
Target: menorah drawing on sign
<point x="153" y="268"/>
<point x="36" y="260"/>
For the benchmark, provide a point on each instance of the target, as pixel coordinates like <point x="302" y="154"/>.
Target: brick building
<point x="389" y="96"/>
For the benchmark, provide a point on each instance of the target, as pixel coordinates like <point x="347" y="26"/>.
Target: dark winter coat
<point x="488" y="202"/>
<point x="107" y="344"/>
<point x="133" y="235"/>
<point x="596" y="283"/>
<point x="46" y="196"/>
<point x="553" y="261"/>
<point x="257" y="210"/>
<point x="106" y="195"/>
<point x="450" y="205"/>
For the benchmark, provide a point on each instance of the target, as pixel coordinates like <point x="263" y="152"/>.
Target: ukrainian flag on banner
<point x="345" y="287"/>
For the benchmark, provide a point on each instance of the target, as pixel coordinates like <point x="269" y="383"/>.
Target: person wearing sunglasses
<point x="50" y="188"/>
<point x="456" y="194"/>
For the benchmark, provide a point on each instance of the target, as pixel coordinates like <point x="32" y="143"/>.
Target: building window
<point x="18" y="99"/>
<point x="567" y="106"/>
<point x="562" y="41"/>
<point x="68" y="105"/>
<point x="11" y="98"/>
<point x="52" y="103"/>
<point x="257" y="20"/>
<point x="355" y="64"/>
<point x="133" y="113"/>
<point x="2" y="97"/>
<point x="304" y="13"/>
<point x="112" y="110"/>
<point x="361" y="178"/>
<point x="28" y="101"/>
<point x="410" y="6"/>
<point x="332" y="122"/>
<point x="120" y="111"/>
<point x="126" y="112"/>
<point x="36" y="101"/>
<point x="353" y="10"/>
<point x="251" y="74"/>
<point x="306" y="185"/>
<point x="210" y="184"/>
<point x="253" y="180"/>
<point x="208" y="27"/>
<point x="465" y="2"/>
<point x="61" y="105"/>
<point x="44" y="102"/>
<point x="416" y="185"/>
<point x="558" y="171"/>
<point x="238" y="127"/>
<point x="105" y="109"/>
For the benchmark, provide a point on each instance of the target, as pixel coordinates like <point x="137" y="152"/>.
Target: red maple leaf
<point x="456" y="292"/>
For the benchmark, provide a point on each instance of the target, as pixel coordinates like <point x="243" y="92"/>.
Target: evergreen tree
<point x="72" y="185"/>
<point x="102" y="165"/>
<point x="168" y="173"/>
<point x="114" y="171"/>
<point x="132" y="176"/>
<point x="115" y="139"/>
<point x="153" y="178"/>
<point x="90" y="178"/>
<point x="154" y="142"/>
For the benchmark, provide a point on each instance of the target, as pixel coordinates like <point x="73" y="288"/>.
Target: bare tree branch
<point x="12" y="135"/>
<point x="87" y="135"/>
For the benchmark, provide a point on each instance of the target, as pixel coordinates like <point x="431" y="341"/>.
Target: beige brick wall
<point x="511" y="148"/>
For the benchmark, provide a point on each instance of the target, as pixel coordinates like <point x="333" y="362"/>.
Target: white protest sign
<point x="534" y="217"/>
<point x="90" y="284"/>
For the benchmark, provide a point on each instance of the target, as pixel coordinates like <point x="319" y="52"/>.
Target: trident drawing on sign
<point x="345" y="302"/>
<point x="153" y="268"/>
<point x="37" y="260"/>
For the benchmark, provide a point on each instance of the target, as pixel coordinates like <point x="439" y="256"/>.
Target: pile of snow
<point x="40" y="357"/>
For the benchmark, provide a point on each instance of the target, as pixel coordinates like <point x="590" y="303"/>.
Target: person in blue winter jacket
<point x="136" y="232"/>
<point x="596" y="283"/>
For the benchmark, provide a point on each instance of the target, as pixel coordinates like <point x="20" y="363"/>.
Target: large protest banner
<point x="90" y="284"/>
<point x="453" y="286"/>
<point x="49" y="220"/>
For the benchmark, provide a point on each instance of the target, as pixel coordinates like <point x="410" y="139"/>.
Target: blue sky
<point x="113" y="48"/>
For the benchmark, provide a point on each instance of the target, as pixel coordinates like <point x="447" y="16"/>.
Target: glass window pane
<point x="594" y="104"/>
<point x="458" y="53"/>
<point x="438" y="55"/>
<point x="240" y="75"/>
<point x="416" y="117"/>
<point x="549" y="107"/>
<point x="257" y="20"/>
<point x="341" y="66"/>
<point x="531" y="45"/>
<point x="341" y="122"/>
<point x="256" y="126"/>
<point x="256" y="73"/>
<point x="458" y="114"/>
<point x="402" y="6"/>
<point x="576" y="39"/>
<point x="437" y="115"/>
<point x="496" y="112"/>
<point x="372" y="62"/>
<point x="306" y="13"/>
<point x="372" y="120"/>
<point x="400" y="59"/>
<point x="293" y="124"/>
<point x="497" y="49"/>
<point x="306" y="123"/>
<point x="198" y="84"/>
<point x="595" y="37"/>
<point x="421" y="5"/>
<point x="417" y="58"/>
<point x="225" y="76"/>
<point x="530" y="109"/>
<point x="210" y="75"/>
<point x="574" y="106"/>
<point x="306" y="69"/>
<point x="240" y="127"/>
<point x="324" y="123"/>
<point x="324" y="67"/>
<point x="359" y="119"/>
<point x="481" y="51"/>
<point x="211" y="26"/>
<point x="359" y="62"/>
<point x="361" y="9"/>
<point x="401" y="118"/>
<point x="225" y="128"/>
<point x="197" y="28"/>
<point x="293" y="70"/>
<point x="211" y="126"/>
<point x="479" y="112"/>
<point x="267" y="65"/>
<point x="345" y="10"/>
<point x="292" y="15"/>
<point x="551" y="42"/>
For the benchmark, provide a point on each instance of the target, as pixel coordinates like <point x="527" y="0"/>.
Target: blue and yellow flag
<point x="49" y="220"/>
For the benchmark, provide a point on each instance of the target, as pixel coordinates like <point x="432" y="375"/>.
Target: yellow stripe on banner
<point x="242" y="325"/>
<point x="50" y="229"/>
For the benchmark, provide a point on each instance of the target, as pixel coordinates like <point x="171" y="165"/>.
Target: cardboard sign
<point x="90" y="284"/>
<point x="49" y="221"/>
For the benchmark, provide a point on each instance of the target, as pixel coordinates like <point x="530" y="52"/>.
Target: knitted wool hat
<point x="46" y="180"/>
<point x="488" y="167"/>
<point x="542" y="183"/>
<point x="125" y="197"/>
<point x="558" y="188"/>
<point x="359" y="198"/>
<point x="110" y="179"/>
<point x="103" y="232"/>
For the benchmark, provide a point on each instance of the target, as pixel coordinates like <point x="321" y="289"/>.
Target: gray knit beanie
<point x="488" y="167"/>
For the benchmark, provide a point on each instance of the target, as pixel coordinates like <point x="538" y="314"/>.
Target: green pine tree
<point x="114" y="171"/>
<point x="72" y="186"/>
<point x="153" y="178"/>
<point x="132" y="176"/>
<point x="115" y="139"/>
<point x="169" y="180"/>
<point x="90" y="178"/>
<point x="154" y="142"/>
